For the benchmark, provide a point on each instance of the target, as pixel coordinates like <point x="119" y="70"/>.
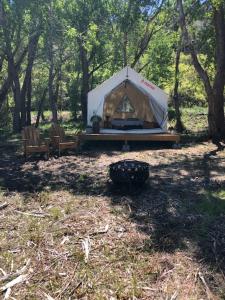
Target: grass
<point x="213" y="203"/>
<point x="151" y="244"/>
<point x="115" y="267"/>
<point x="194" y="119"/>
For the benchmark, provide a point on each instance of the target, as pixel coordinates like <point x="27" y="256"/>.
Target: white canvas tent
<point x="156" y="98"/>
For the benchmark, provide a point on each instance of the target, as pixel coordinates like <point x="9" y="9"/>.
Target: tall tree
<point x="27" y="84"/>
<point x="214" y="88"/>
<point x="50" y="45"/>
<point x="179" y="125"/>
<point x="12" y="70"/>
<point x="88" y="22"/>
<point x="16" y="21"/>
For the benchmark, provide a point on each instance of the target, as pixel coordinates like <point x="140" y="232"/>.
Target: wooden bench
<point x="32" y="143"/>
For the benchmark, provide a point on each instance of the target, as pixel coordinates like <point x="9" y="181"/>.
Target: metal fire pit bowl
<point x="129" y="171"/>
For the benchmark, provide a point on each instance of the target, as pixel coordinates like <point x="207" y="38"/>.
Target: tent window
<point x="125" y="105"/>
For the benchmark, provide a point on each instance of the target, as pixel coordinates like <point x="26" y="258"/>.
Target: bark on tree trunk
<point x="28" y="106"/>
<point x="40" y="108"/>
<point x="51" y="68"/>
<point x="26" y="88"/>
<point x="12" y="71"/>
<point x="51" y="93"/>
<point x="85" y="82"/>
<point x="16" y="85"/>
<point x="125" y="41"/>
<point x="16" y="91"/>
<point x="8" y="81"/>
<point x="4" y="91"/>
<point x="179" y="126"/>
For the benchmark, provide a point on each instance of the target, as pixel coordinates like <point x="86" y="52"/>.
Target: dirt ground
<point x="68" y="233"/>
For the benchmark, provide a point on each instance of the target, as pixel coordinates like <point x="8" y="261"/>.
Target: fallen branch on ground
<point x="101" y="231"/>
<point x="3" y="205"/>
<point x="86" y="245"/>
<point x="19" y="279"/>
<point x="36" y="214"/>
<point x="210" y="296"/>
<point x="7" y="294"/>
<point x="48" y="297"/>
<point x="17" y="273"/>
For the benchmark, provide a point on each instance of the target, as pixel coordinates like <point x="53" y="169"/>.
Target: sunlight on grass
<point x="213" y="203"/>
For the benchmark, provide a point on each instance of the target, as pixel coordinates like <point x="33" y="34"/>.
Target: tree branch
<point x="144" y="41"/>
<point x="98" y="67"/>
<point x="197" y="65"/>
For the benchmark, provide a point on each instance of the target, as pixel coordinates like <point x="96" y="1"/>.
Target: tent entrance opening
<point x="126" y="108"/>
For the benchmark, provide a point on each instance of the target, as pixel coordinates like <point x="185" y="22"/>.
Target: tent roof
<point x="136" y="78"/>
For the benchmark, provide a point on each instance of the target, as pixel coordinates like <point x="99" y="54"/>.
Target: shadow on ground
<point x="180" y="207"/>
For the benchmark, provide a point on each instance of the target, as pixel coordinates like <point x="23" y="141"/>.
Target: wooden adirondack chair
<point x="59" y="140"/>
<point x="32" y="142"/>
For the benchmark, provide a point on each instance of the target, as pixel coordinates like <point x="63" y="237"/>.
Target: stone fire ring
<point x="129" y="172"/>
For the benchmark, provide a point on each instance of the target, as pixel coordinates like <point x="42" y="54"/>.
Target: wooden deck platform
<point x="162" y="137"/>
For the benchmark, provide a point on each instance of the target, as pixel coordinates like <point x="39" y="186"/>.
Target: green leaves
<point x="71" y="32"/>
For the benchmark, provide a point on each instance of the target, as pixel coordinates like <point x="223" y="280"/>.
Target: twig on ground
<point x="86" y="245"/>
<point x="149" y="289"/>
<point x="7" y="294"/>
<point x="18" y="272"/>
<point x="210" y="296"/>
<point x="19" y="279"/>
<point x="3" y="272"/>
<point x="101" y="231"/>
<point x="174" y="296"/>
<point x="36" y="214"/>
<point x="48" y="297"/>
<point x="65" y="239"/>
<point x="3" y="205"/>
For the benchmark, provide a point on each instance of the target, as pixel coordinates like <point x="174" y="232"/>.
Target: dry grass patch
<point x="49" y="229"/>
<point x="73" y="237"/>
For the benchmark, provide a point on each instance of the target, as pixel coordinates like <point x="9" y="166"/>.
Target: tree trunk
<point x="12" y="71"/>
<point x="4" y="90"/>
<point x="8" y="81"/>
<point x="26" y="88"/>
<point x="43" y="119"/>
<point x="57" y="82"/>
<point x="16" y="91"/>
<point x="28" y="105"/>
<point x="125" y="41"/>
<point x="179" y="126"/>
<point x="40" y="108"/>
<point x="16" y="86"/>
<point x="219" y="80"/>
<point x="85" y="82"/>
<point x="51" y="93"/>
<point x="51" y="68"/>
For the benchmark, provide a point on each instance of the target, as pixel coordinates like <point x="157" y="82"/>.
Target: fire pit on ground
<point x="129" y="171"/>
